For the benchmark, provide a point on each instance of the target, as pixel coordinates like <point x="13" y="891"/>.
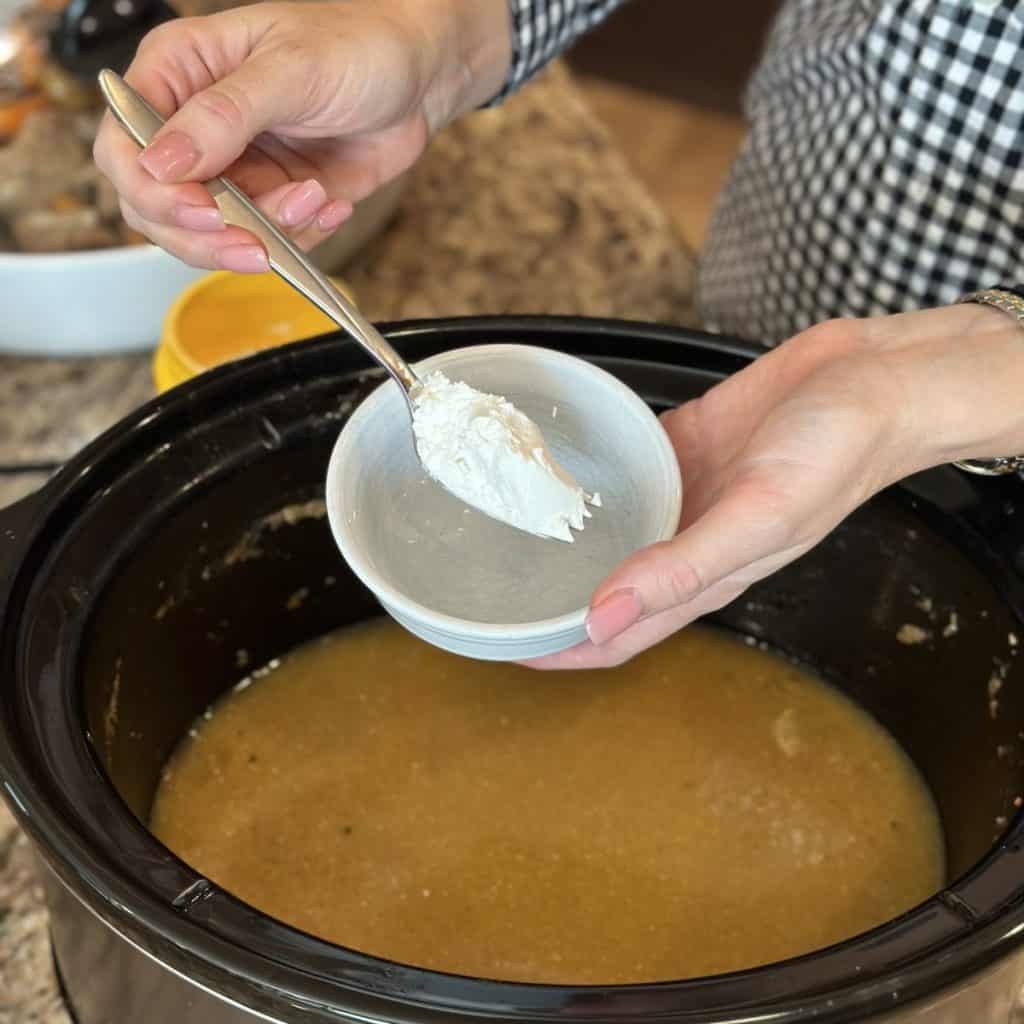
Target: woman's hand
<point x="776" y="456"/>
<point x="307" y="107"/>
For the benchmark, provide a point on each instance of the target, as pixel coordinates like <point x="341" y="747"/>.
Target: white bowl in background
<point x="104" y="301"/>
<point x="87" y="303"/>
<point x="467" y="583"/>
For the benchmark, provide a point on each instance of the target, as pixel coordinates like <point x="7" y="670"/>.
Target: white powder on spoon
<point x="487" y="453"/>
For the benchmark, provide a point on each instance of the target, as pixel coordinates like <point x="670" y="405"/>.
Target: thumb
<point x="212" y="129"/>
<point x="746" y="525"/>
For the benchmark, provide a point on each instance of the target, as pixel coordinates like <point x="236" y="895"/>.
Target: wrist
<point x="473" y="41"/>
<point x="960" y="377"/>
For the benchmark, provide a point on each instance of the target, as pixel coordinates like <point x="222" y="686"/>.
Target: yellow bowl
<point x="225" y="316"/>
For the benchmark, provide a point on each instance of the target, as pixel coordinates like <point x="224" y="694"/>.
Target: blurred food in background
<point x="52" y="198"/>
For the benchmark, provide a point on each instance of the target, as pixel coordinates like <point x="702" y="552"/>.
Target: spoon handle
<point x="142" y="123"/>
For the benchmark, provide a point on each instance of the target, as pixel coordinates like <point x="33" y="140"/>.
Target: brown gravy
<point x="707" y="807"/>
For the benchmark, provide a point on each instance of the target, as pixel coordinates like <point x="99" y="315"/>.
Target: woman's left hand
<point x="774" y="457"/>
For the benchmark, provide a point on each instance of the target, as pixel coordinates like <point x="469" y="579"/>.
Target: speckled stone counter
<point x="525" y="209"/>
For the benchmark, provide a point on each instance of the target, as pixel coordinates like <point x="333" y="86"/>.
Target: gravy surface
<point x="707" y="807"/>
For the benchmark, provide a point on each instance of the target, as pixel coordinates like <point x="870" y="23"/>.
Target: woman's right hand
<point x="308" y="107"/>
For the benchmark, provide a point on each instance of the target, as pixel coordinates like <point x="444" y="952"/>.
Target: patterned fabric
<point x="542" y="29"/>
<point x="883" y="166"/>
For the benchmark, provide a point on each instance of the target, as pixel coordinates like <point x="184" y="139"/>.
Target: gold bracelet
<point x="1013" y="304"/>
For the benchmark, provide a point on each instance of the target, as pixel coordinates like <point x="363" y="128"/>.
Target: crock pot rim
<point x="982" y="942"/>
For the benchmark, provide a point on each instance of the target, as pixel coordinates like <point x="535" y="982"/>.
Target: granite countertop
<point x="524" y="209"/>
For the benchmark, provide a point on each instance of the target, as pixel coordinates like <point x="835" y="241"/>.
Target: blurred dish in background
<point x="87" y="303"/>
<point x="227" y="316"/>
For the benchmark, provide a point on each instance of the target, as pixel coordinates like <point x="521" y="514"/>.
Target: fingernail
<point x="243" y="259"/>
<point x="301" y="203"/>
<point x="614" y="615"/>
<point x="170" y="158"/>
<point x="333" y="215"/>
<point x="198" y="218"/>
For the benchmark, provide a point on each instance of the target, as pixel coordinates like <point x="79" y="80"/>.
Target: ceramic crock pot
<point x="164" y="557"/>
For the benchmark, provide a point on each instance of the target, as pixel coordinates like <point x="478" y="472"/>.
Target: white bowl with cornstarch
<point x="405" y="506"/>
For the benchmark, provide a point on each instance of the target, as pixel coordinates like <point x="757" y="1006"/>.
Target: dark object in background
<point x="698" y="54"/>
<point x="96" y="34"/>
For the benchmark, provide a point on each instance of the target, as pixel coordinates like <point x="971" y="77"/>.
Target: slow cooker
<point x="164" y="555"/>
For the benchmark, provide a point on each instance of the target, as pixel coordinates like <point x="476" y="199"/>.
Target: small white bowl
<point x="467" y="583"/>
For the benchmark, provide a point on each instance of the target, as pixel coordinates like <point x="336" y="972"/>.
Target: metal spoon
<point x="142" y="123"/>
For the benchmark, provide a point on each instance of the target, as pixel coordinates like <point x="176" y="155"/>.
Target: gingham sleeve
<point x="543" y="29"/>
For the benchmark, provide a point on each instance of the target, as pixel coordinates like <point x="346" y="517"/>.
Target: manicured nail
<point x="614" y="615"/>
<point x="243" y="259"/>
<point x="170" y="158"/>
<point x="198" y="218"/>
<point x="301" y="203"/>
<point x="333" y="215"/>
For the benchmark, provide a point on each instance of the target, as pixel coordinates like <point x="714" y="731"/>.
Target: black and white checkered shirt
<point x="883" y="166"/>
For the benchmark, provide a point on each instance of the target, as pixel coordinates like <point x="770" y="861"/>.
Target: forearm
<point x="476" y="47"/>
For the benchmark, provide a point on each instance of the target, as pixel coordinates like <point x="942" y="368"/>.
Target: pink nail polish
<point x="243" y="259"/>
<point x="614" y="615"/>
<point x="333" y="215"/>
<point x="301" y="203"/>
<point x="170" y="157"/>
<point x="198" y="218"/>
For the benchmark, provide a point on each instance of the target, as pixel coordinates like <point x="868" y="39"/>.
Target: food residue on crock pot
<point x="249" y="547"/>
<point x="707" y="807"/>
<point x="912" y="635"/>
<point x="996" y="681"/>
<point x="113" y="710"/>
